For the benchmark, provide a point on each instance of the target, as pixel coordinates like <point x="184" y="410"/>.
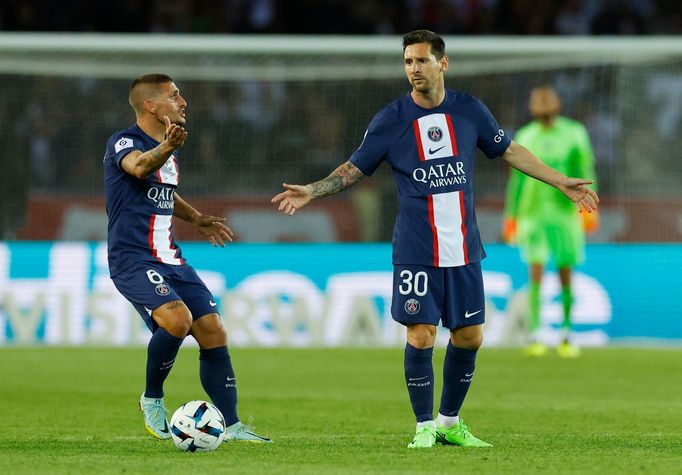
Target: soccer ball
<point x="197" y="426"/>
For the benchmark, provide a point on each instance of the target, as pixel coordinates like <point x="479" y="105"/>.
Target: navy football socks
<point x="161" y="352"/>
<point x="419" y="380"/>
<point x="219" y="382"/>
<point x="458" y="370"/>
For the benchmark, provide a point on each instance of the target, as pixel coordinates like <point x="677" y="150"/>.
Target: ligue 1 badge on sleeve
<point x="412" y="306"/>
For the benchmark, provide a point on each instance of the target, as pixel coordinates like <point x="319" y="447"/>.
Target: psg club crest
<point x="435" y="133"/>
<point x="412" y="306"/>
<point x="162" y="289"/>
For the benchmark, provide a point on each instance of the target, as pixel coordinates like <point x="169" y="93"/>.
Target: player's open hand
<point x="295" y="197"/>
<point x="580" y="194"/>
<point x="215" y="229"/>
<point x="175" y="134"/>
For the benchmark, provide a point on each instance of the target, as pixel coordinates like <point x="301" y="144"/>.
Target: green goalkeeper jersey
<point x="565" y="146"/>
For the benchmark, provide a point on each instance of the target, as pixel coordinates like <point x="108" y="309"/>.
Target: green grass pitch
<point x="346" y="411"/>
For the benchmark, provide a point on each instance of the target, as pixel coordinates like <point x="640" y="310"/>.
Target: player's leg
<point x="217" y="375"/>
<point x="417" y="304"/>
<point x="535" y="346"/>
<point x="535" y="251"/>
<point x="418" y="366"/>
<point x="458" y="370"/>
<point x="568" y="247"/>
<point x="169" y="320"/>
<point x="464" y="315"/>
<point x="172" y="324"/>
<point x="566" y="300"/>
<point x="173" y="321"/>
<point x="215" y="365"/>
<point x="567" y="349"/>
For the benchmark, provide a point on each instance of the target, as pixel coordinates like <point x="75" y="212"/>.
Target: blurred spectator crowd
<point x="457" y="17"/>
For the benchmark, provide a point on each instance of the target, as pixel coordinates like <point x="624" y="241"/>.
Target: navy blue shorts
<point x="150" y="285"/>
<point x="431" y="295"/>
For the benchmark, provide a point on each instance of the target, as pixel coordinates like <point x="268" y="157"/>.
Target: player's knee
<point x="467" y="337"/>
<point x="179" y="325"/>
<point x="209" y="332"/>
<point x="216" y="338"/>
<point x="421" y="336"/>
<point x="473" y="342"/>
<point x="175" y="318"/>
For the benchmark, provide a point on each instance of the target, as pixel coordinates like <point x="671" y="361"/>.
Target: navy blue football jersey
<point x="432" y="153"/>
<point x="139" y="211"/>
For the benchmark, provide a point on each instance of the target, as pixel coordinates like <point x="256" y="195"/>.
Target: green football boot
<point x="459" y="434"/>
<point x="567" y="350"/>
<point x="425" y="437"/>
<point x="535" y="350"/>
<point x="242" y="432"/>
<point x="155" y="419"/>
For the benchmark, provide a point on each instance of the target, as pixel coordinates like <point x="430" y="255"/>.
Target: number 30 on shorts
<point x="418" y="282"/>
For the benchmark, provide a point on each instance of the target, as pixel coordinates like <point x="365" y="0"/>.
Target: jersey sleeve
<point x="374" y="146"/>
<point x="121" y="145"/>
<point x="492" y="140"/>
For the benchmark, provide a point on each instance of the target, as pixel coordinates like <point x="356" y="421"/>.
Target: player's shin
<point x="458" y="370"/>
<point x="161" y="352"/>
<point x="567" y="303"/>
<point x="533" y="309"/>
<point x="419" y="380"/>
<point x="219" y="382"/>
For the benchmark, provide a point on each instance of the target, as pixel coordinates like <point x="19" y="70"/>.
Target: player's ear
<point x="444" y="63"/>
<point x="149" y="106"/>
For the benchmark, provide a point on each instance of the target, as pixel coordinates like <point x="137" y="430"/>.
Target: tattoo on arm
<point x="340" y="179"/>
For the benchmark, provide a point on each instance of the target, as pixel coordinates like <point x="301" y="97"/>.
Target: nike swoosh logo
<point x="468" y="375"/>
<point x="467" y="314"/>
<point x="418" y="379"/>
<point x="434" y="151"/>
<point x="212" y="303"/>
<point x="231" y="379"/>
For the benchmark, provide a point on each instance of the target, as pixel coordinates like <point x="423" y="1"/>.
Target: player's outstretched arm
<point x="141" y="165"/>
<point x="575" y="189"/>
<point x="297" y="196"/>
<point x="212" y="227"/>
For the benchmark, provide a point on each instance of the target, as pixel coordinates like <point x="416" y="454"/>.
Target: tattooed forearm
<point x="340" y="179"/>
<point x="183" y="209"/>
<point x="144" y="164"/>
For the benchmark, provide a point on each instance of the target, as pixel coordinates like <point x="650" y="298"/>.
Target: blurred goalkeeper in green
<point x="538" y="217"/>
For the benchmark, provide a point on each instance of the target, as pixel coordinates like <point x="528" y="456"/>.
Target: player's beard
<point x="424" y="87"/>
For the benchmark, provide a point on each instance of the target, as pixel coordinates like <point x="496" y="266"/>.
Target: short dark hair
<point x="154" y="78"/>
<point x="425" y="36"/>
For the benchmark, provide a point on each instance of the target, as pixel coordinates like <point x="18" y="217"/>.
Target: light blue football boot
<point x="243" y="432"/>
<point x="155" y="419"/>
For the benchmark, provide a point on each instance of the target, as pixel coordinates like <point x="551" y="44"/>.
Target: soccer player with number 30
<point x="429" y="138"/>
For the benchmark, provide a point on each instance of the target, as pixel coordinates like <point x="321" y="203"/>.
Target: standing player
<point x="141" y="172"/>
<point x="547" y="224"/>
<point x="429" y="137"/>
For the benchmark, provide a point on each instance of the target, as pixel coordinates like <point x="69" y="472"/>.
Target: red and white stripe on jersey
<point x="169" y="173"/>
<point x="435" y="138"/>
<point x="160" y="240"/>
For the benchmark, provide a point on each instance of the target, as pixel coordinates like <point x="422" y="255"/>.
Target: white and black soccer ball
<point x="197" y="426"/>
